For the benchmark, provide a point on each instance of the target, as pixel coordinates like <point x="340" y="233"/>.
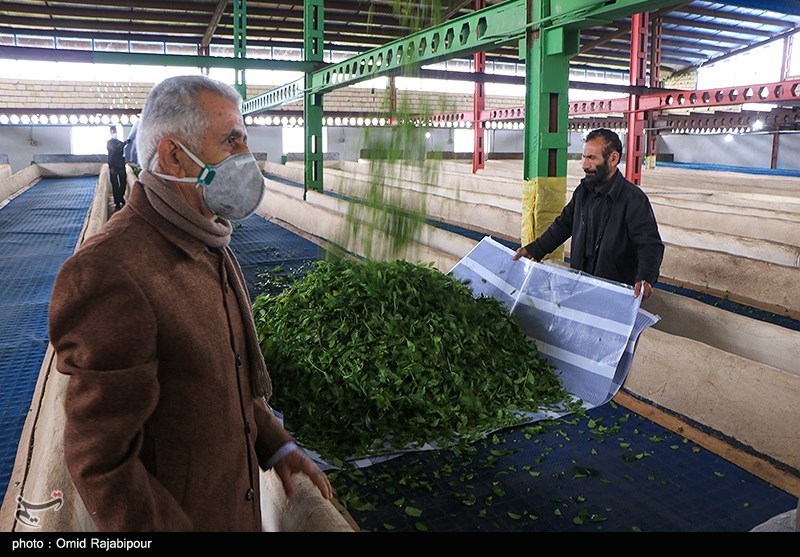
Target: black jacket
<point x="629" y="248"/>
<point x="116" y="158"/>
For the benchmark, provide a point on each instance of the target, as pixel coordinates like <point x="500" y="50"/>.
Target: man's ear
<point x="614" y="158"/>
<point x="169" y="158"/>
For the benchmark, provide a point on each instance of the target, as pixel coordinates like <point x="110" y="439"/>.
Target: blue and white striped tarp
<point x="585" y="326"/>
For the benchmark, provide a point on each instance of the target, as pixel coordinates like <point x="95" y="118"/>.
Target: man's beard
<point x="599" y="175"/>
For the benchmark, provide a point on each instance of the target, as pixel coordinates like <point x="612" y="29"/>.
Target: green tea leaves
<point x="371" y="357"/>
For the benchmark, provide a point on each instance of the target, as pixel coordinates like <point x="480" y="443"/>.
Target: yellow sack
<point x="543" y="199"/>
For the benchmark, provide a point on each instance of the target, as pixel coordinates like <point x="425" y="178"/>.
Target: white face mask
<point x="233" y="188"/>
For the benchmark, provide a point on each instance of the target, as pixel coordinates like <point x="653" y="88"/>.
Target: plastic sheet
<point x="585" y="326"/>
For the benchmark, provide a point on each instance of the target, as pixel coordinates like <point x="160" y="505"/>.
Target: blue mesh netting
<point x="38" y="231"/>
<point x="611" y="471"/>
<point x="271" y="255"/>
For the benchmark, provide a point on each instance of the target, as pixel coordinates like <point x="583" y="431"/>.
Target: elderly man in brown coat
<point x="166" y="405"/>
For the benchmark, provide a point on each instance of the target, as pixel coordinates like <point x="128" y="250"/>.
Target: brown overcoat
<point x="162" y="429"/>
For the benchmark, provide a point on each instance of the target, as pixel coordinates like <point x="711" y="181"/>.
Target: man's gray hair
<point x="171" y="109"/>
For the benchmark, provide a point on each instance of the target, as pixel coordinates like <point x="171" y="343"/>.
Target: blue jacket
<point x="629" y="248"/>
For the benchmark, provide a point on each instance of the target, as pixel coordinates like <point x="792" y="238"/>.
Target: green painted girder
<point x="240" y="42"/>
<point x="275" y="97"/>
<point x="313" y="47"/>
<point x="482" y="30"/>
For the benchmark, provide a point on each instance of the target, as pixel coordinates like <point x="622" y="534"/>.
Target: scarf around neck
<point x="214" y="234"/>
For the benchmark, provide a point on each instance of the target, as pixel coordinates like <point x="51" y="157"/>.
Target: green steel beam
<point x="240" y="42"/>
<point x="548" y="32"/>
<point x="313" y="33"/>
<point x="547" y="54"/>
<point x="547" y="103"/>
<point x="483" y="30"/>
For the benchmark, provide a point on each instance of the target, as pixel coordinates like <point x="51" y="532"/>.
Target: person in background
<point x="167" y="418"/>
<point x="613" y="228"/>
<point x="116" y="167"/>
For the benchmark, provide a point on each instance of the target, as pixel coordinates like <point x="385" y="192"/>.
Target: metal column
<point x="655" y="83"/>
<point x="203" y="51"/>
<point x="313" y="32"/>
<point x="240" y="43"/>
<point x="478" y="106"/>
<point x="547" y="54"/>
<point x="635" y="140"/>
<point x="785" y="65"/>
<point x="392" y="100"/>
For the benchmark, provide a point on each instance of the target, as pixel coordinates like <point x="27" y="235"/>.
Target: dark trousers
<point x="119" y="181"/>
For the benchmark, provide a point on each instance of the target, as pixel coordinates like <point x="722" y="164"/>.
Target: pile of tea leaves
<point x="371" y="357"/>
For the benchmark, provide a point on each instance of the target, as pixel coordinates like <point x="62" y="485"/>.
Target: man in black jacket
<point x="116" y="167"/>
<point x="611" y="222"/>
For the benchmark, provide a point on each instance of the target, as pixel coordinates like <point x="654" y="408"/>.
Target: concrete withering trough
<point x="731" y="379"/>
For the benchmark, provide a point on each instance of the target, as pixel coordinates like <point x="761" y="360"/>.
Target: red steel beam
<point x="479" y="105"/>
<point x="656" y="26"/>
<point x="638" y="77"/>
<point x="779" y="91"/>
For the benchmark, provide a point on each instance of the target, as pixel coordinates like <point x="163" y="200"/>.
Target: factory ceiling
<point x="693" y="33"/>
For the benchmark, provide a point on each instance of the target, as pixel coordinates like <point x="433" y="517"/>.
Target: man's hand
<point x="298" y="461"/>
<point x="644" y="288"/>
<point x="521" y="252"/>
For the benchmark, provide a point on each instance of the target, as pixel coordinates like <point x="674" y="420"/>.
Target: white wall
<point x="506" y="141"/>
<point x="266" y="139"/>
<point x="789" y="151"/>
<point x="348" y="141"/>
<point x="15" y="141"/>
<point x="748" y="150"/>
